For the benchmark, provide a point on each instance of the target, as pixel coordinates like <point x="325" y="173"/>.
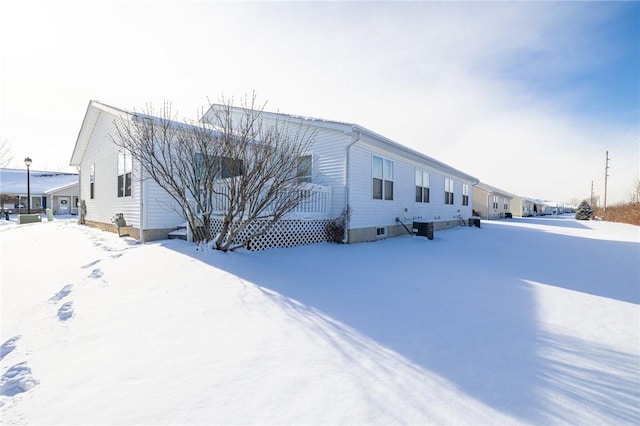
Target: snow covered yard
<point x="531" y="321"/>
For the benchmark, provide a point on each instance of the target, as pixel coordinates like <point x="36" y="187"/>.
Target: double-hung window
<point x="465" y="194"/>
<point x="448" y="191"/>
<point x="92" y="180"/>
<point x="382" y="172"/>
<point x="422" y="186"/>
<point x="495" y="202"/>
<point x="223" y="167"/>
<point x="304" y="170"/>
<point x="125" y="165"/>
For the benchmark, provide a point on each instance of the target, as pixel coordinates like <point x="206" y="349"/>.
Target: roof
<point x="14" y="181"/>
<point x="353" y="129"/>
<point x="94" y="109"/>
<point x="493" y="190"/>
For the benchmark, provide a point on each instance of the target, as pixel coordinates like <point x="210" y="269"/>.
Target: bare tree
<point x="240" y="169"/>
<point x="6" y="156"/>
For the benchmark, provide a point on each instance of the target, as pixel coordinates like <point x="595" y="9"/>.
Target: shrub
<point x="584" y="212"/>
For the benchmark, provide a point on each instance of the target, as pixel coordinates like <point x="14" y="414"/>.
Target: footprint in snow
<point x="64" y="292"/>
<point x="17" y="379"/>
<point x="65" y="311"/>
<point x="96" y="273"/>
<point x="90" y="264"/>
<point x="8" y="346"/>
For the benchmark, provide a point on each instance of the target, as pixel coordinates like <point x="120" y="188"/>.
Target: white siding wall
<point x="160" y="210"/>
<point x="329" y="163"/>
<point x="106" y="203"/>
<point x="367" y="212"/>
<point x="104" y="154"/>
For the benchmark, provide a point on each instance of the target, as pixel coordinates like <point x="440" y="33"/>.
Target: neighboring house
<point x="554" y="207"/>
<point x="490" y="202"/>
<point x="55" y="190"/>
<point x="523" y="206"/>
<point x="385" y="184"/>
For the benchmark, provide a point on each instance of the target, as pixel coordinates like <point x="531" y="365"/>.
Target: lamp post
<point x="27" y="162"/>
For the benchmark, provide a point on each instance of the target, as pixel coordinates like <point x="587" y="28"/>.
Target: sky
<point x="527" y="97"/>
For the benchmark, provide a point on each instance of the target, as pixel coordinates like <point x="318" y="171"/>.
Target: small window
<point x="92" y="180"/>
<point x="224" y="167"/>
<point x="125" y="165"/>
<point x="304" y="169"/>
<point x="448" y="191"/>
<point x="422" y="186"/>
<point x="465" y="194"/>
<point x="381" y="232"/>
<point x="382" y="173"/>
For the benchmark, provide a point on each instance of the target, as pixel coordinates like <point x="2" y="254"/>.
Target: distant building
<point x="490" y="202"/>
<point x="58" y="191"/>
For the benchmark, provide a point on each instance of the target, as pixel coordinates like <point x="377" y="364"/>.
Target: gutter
<point x="355" y="134"/>
<point x="141" y="219"/>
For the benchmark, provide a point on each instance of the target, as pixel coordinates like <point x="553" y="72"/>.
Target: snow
<point x="523" y="321"/>
<point x="14" y="181"/>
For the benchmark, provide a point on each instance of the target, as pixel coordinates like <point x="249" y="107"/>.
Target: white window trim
<point x="383" y="178"/>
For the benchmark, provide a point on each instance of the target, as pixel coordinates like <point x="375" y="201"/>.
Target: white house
<point x="55" y="190"/>
<point x="490" y="202"/>
<point x="111" y="184"/>
<point x="386" y="185"/>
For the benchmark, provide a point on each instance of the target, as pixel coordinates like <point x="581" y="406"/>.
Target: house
<point x="523" y="206"/>
<point x="111" y="184"/>
<point x="490" y="202"/>
<point x="387" y="186"/>
<point x="55" y="190"/>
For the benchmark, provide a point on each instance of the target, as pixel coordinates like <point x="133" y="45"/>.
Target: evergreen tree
<point x="584" y="211"/>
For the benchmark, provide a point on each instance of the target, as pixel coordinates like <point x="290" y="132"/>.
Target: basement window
<point x="381" y="232"/>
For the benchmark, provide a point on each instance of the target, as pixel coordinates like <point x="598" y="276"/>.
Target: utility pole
<point x="592" y="206"/>
<point x="606" y="175"/>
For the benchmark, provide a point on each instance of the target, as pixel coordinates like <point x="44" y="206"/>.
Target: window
<point x="381" y="232"/>
<point x="422" y="186"/>
<point x="448" y="191"/>
<point x="465" y="194"/>
<point x="124" y="174"/>
<point x="382" y="172"/>
<point x="225" y="167"/>
<point x="506" y="204"/>
<point x="304" y="169"/>
<point x="92" y="180"/>
<point x="494" y="202"/>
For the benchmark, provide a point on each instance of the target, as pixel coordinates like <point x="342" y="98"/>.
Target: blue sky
<point x="525" y="96"/>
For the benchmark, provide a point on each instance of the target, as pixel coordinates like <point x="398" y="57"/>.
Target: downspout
<point x="356" y="138"/>
<point x="141" y="220"/>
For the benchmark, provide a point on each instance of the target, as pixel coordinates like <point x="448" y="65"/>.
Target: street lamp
<point x="27" y="162"/>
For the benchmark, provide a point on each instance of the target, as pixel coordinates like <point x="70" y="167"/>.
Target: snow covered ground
<point x="524" y="321"/>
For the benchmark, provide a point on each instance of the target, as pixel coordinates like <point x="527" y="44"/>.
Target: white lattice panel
<point x="286" y="233"/>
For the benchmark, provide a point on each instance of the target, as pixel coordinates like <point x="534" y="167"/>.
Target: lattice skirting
<point x="286" y="233"/>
